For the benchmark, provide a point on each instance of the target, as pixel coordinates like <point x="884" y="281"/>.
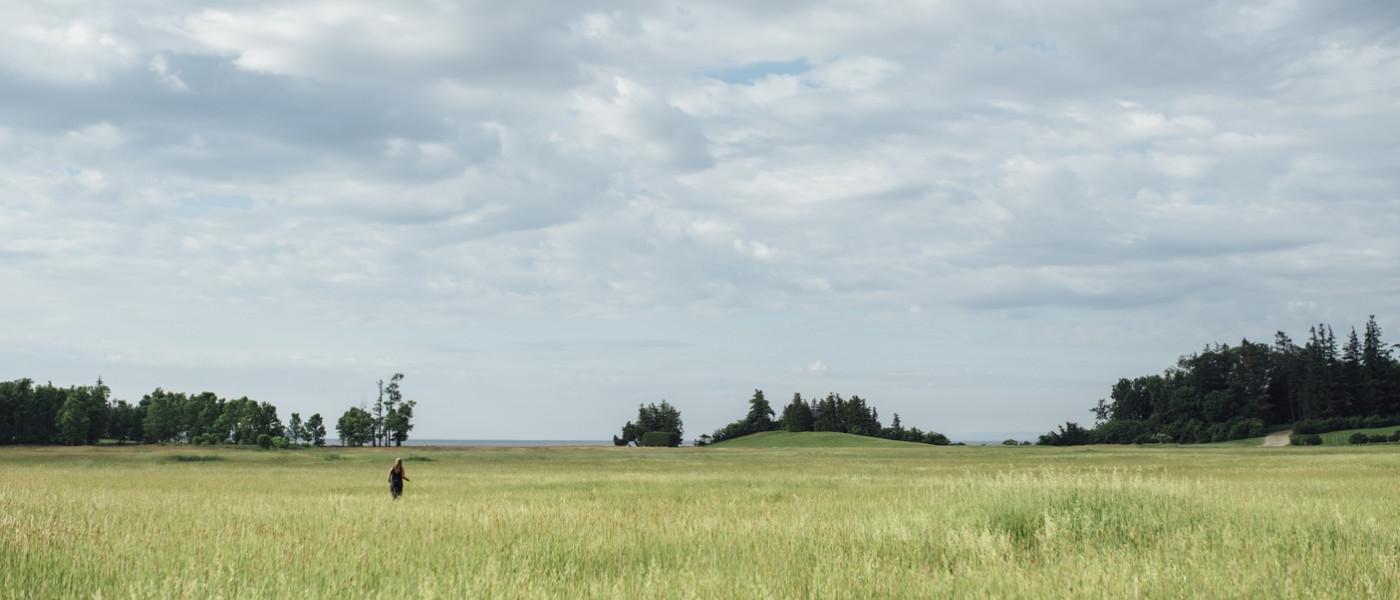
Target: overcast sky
<point x="978" y="215"/>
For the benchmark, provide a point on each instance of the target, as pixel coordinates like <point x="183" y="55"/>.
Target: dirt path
<point x="1277" y="438"/>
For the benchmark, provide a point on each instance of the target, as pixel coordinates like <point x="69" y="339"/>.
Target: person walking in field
<point x="396" y="479"/>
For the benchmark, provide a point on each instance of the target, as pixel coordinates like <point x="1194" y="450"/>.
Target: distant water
<point x="508" y="443"/>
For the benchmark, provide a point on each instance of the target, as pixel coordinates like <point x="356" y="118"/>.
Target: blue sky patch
<point x="748" y="73"/>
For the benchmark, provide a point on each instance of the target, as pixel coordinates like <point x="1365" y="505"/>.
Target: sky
<point x="978" y="215"/>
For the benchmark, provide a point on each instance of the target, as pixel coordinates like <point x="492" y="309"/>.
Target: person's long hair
<point x="397" y="468"/>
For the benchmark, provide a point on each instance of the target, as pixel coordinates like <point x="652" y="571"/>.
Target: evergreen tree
<point x="895" y="431"/>
<point x="760" y="417"/>
<point x="797" y="415"/>
<point x="1353" y="378"/>
<point x="1381" y="374"/>
<point x="826" y="415"/>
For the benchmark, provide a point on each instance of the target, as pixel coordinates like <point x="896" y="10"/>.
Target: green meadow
<point x="886" y="520"/>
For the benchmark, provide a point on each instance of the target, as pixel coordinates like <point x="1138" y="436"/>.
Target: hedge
<point x="1340" y="423"/>
<point x="661" y="438"/>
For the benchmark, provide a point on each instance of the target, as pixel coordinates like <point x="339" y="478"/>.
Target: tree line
<point x="38" y="414"/>
<point x="832" y="413"/>
<point x="48" y="414"/>
<point x="1229" y="392"/>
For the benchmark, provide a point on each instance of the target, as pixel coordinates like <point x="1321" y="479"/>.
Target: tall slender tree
<point x="377" y="419"/>
<point x="296" y="431"/>
<point x="760" y="417"/>
<point x="391" y="397"/>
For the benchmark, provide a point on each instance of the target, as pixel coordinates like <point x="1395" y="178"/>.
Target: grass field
<point x="891" y="521"/>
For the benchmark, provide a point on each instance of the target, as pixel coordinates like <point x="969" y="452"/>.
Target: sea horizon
<point x="504" y="443"/>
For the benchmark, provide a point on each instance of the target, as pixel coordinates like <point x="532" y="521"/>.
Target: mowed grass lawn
<point x="902" y="521"/>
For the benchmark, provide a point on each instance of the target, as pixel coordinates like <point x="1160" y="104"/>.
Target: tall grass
<point x="703" y="523"/>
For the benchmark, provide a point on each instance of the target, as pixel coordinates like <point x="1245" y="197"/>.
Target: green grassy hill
<point x="1331" y="438"/>
<point x="810" y="439"/>
<point x="1339" y="438"/>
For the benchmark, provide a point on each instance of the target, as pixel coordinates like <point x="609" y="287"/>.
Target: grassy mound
<point x="1339" y="438"/>
<point x="1331" y="438"/>
<point x="810" y="439"/>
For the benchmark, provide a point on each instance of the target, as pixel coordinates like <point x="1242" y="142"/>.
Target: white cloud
<point x="168" y="78"/>
<point x="896" y="186"/>
<point x="100" y="135"/>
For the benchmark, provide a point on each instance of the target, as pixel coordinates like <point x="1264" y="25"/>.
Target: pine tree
<point x="760" y="417"/>
<point x="1353" y="384"/>
<point x="1381" y="375"/>
<point x="797" y="415"/>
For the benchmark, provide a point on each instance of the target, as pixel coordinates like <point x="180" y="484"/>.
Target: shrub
<point x="264" y="441"/>
<point x="1011" y="443"/>
<point x="1377" y="438"/>
<point x="1120" y="431"/>
<point x="1069" y="434"/>
<point x="1395" y="436"/>
<point x="1309" y="439"/>
<point x="1358" y="438"/>
<point x="193" y="458"/>
<point x="279" y="442"/>
<point x="661" y="439"/>
<point x="1239" y="430"/>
